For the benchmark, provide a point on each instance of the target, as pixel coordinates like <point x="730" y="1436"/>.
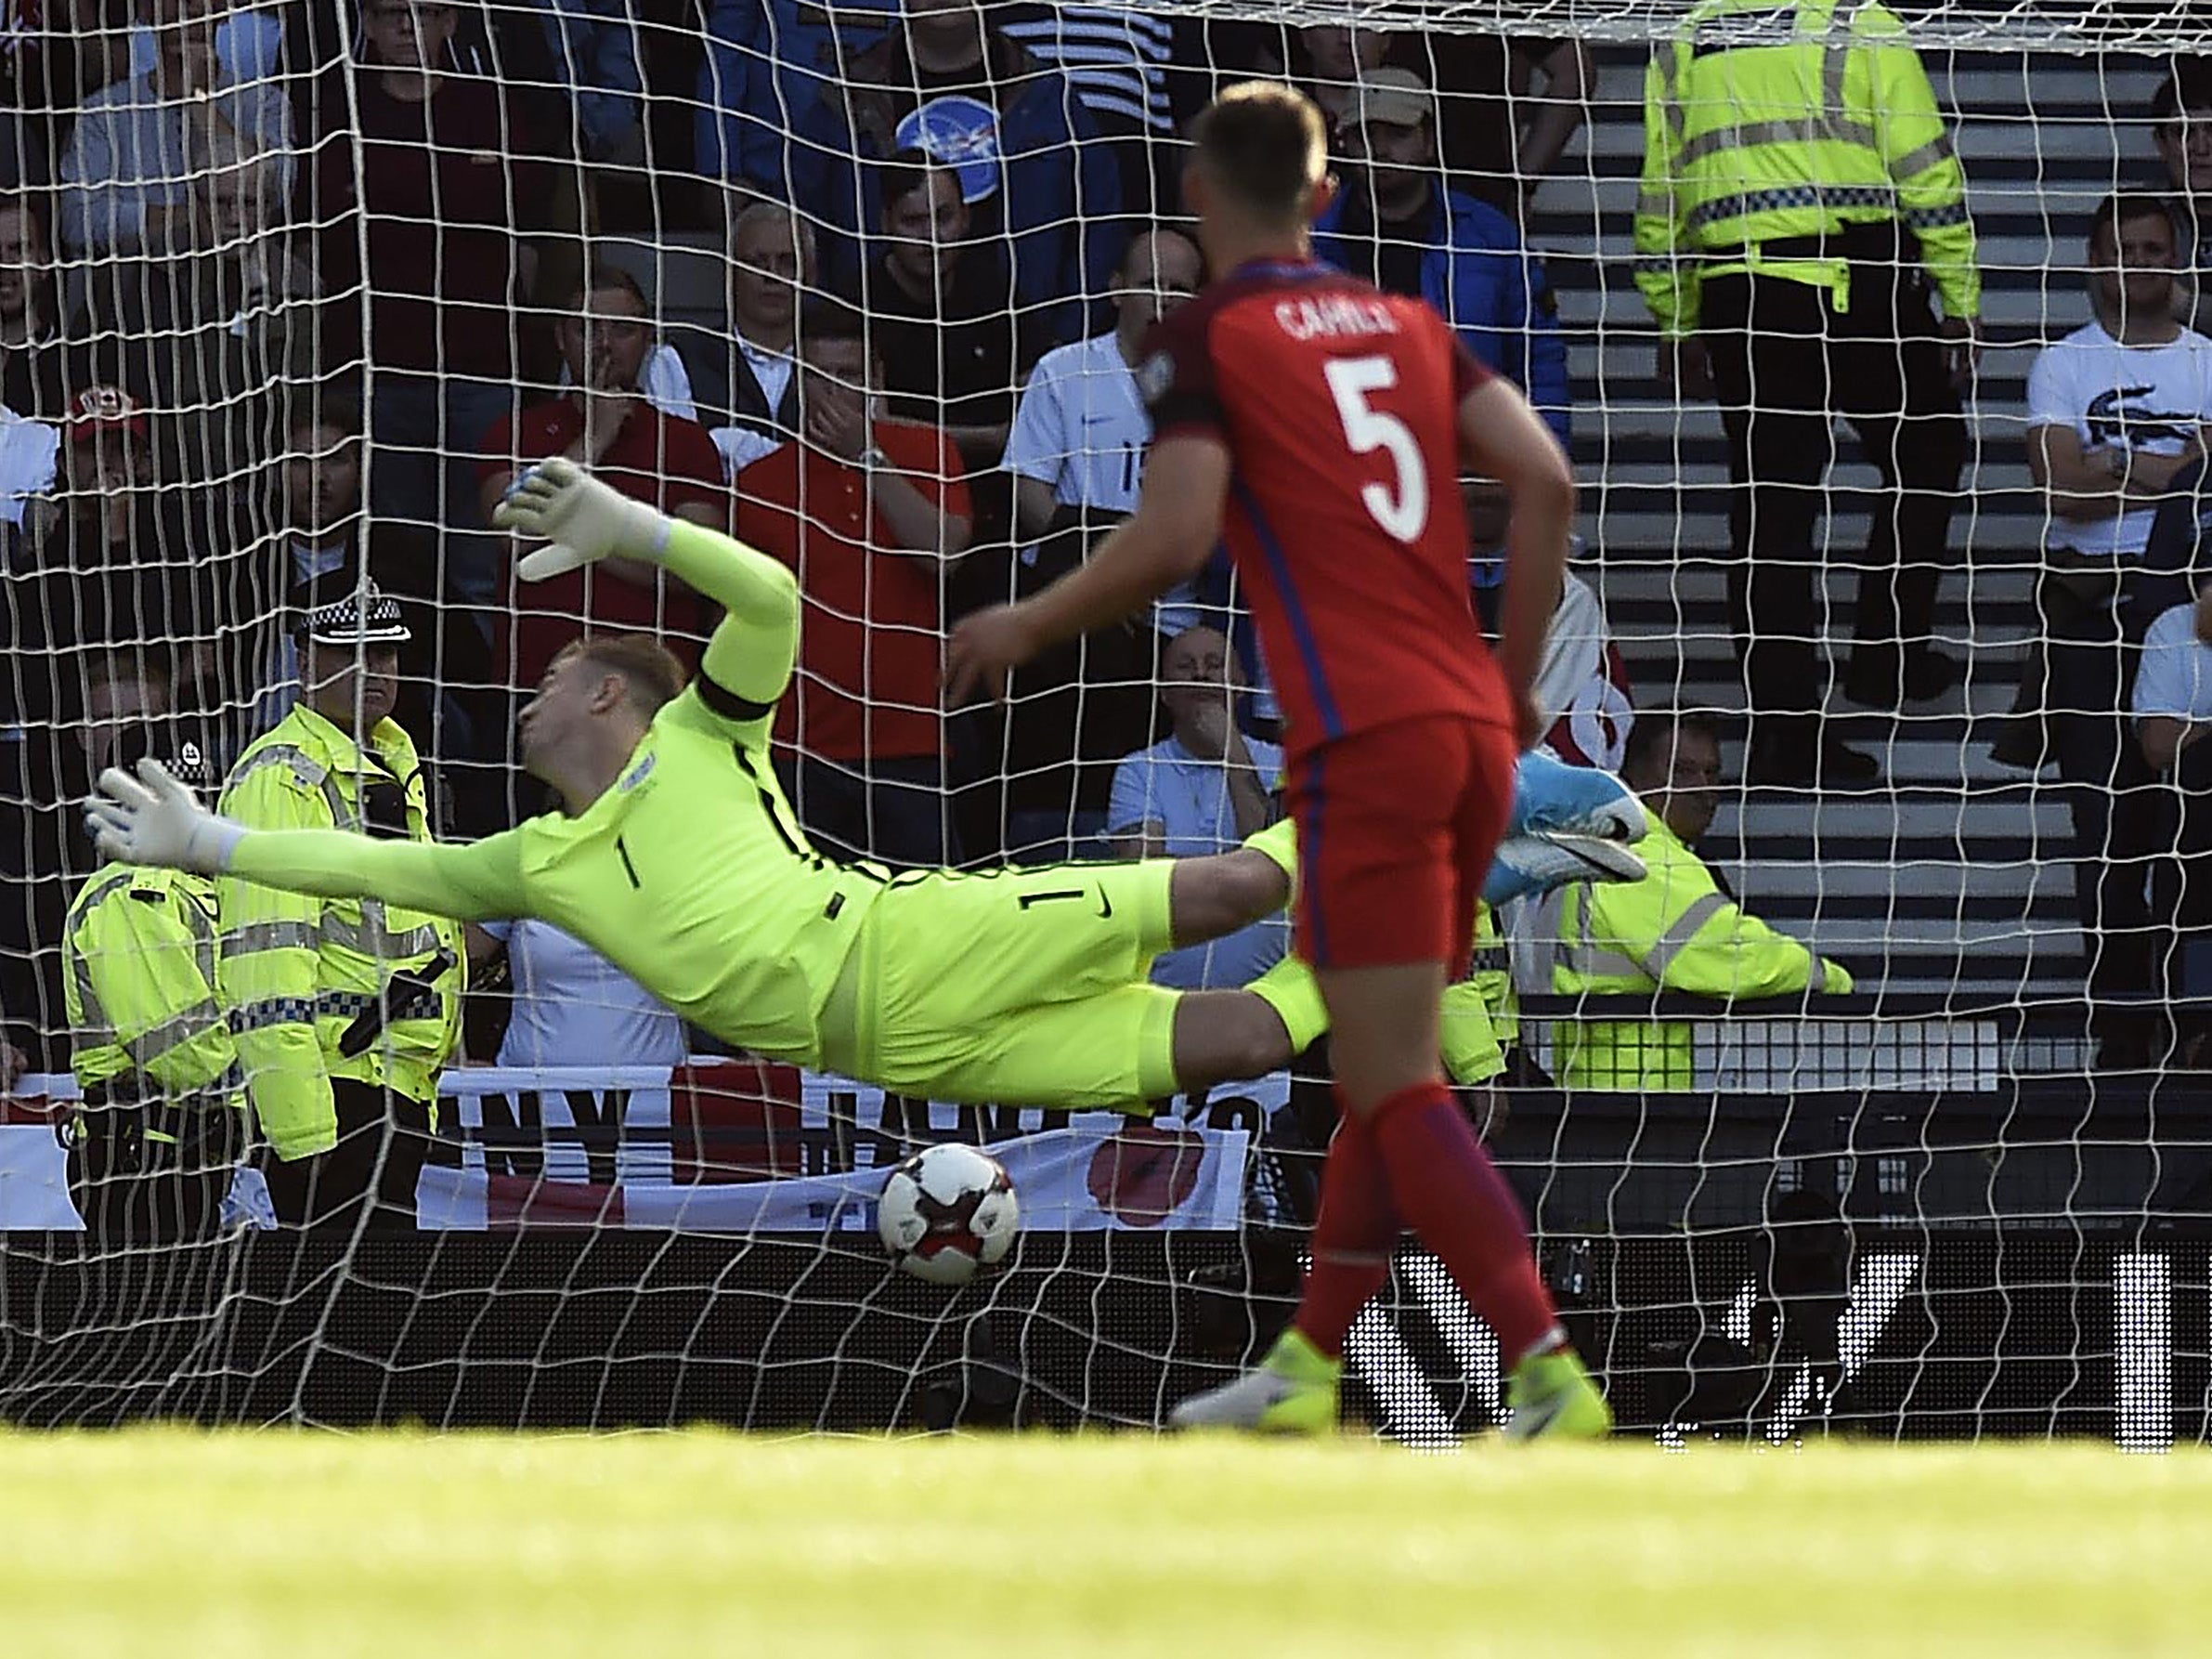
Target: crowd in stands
<point x="289" y="294"/>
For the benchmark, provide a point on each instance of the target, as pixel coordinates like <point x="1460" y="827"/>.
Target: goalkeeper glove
<point x="583" y="520"/>
<point x="153" y="819"/>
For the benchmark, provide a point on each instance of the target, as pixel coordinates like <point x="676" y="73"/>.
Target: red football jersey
<point x="1339" y="404"/>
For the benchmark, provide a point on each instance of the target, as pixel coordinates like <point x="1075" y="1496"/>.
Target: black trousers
<point x="383" y="1140"/>
<point x="133" y="1314"/>
<point x="153" y="1175"/>
<point x="1786" y="362"/>
<point x="2120" y="813"/>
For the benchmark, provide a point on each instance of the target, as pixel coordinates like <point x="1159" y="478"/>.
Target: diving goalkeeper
<point x="680" y="859"/>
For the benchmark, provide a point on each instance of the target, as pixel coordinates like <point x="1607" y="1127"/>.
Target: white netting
<point x="326" y="274"/>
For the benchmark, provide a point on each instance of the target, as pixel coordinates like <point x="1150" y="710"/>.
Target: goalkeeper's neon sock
<point x="1278" y="840"/>
<point x="1292" y="1392"/>
<point x="1448" y="1191"/>
<point x="1553" y="1396"/>
<point x="1354" y="1238"/>
<point x="1291" y="990"/>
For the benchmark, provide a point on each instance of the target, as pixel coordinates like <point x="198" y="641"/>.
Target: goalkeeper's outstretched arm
<point x="152" y="818"/>
<point x="748" y="662"/>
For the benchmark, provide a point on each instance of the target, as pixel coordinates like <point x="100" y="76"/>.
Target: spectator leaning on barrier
<point x="1032" y="176"/>
<point x="126" y="172"/>
<point x="162" y="1122"/>
<point x="1799" y="196"/>
<point x="2117" y="410"/>
<point x="603" y="421"/>
<point x="344" y="1010"/>
<point x="744" y="376"/>
<point x="1206" y="789"/>
<point x="1676" y="930"/>
<point x="1399" y="225"/>
<point x="873" y="517"/>
<point x="2173" y="712"/>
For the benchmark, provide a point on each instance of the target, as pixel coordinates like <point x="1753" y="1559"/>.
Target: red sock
<point x="1354" y="1238"/>
<point x="1451" y="1195"/>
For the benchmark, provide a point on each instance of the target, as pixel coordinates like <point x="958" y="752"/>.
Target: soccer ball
<point x="948" y="1212"/>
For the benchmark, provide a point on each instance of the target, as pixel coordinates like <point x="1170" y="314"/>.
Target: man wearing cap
<point x="344" y="1010"/>
<point x="1400" y="226"/>
<point x="153" y="1147"/>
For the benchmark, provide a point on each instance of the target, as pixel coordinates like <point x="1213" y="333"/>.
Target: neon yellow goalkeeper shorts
<point x="1019" y="987"/>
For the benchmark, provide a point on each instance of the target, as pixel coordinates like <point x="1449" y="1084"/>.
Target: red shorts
<point x="1397" y="828"/>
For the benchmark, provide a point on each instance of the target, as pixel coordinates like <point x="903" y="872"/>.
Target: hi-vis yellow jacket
<point x="138" y="980"/>
<point x="1769" y="122"/>
<point x="294" y="971"/>
<point x="1676" y="930"/>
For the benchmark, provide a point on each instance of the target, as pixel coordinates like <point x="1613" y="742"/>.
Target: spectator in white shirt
<point x="2116" y="410"/>
<point x="2173" y="711"/>
<point x="1076" y="453"/>
<point x="741" y="380"/>
<point x="573" y="1007"/>
<point x="1206" y="790"/>
<point x="126" y="174"/>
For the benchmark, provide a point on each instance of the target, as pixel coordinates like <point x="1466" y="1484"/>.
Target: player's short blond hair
<point x="1264" y="147"/>
<point x="651" y="671"/>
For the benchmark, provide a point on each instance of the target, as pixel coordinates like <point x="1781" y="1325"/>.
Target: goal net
<point x="289" y="296"/>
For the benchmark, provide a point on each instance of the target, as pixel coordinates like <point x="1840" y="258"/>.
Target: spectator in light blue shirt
<point x="596" y="52"/>
<point x="1203" y="791"/>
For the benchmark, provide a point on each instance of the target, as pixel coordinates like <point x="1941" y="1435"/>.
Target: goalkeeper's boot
<point x="1292" y="1392"/>
<point x="1552" y="1396"/>
<point x="1550" y="794"/>
<point x="1543" y="859"/>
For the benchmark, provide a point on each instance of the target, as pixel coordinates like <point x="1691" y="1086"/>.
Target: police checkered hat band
<point x="365" y="615"/>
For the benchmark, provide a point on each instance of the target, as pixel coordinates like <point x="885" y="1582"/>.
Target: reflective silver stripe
<point x="1657" y="265"/>
<point x="1596" y="962"/>
<point x="1776" y="132"/>
<point x="372" y="938"/>
<point x="1912" y="166"/>
<point x="88" y="1003"/>
<point x="180" y="1028"/>
<point x="1819" y="979"/>
<point x="257" y="936"/>
<point x="1676" y="939"/>
<point x="1835" y="64"/>
<point x="303" y="766"/>
<point x="1650" y="204"/>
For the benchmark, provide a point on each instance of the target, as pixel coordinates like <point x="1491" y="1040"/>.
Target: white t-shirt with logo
<point x="2148" y="400"/>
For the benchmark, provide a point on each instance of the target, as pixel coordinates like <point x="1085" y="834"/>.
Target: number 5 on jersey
<point x="1402" y="513"/>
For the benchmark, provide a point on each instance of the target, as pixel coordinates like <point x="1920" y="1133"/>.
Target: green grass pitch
<point x="323" y="1547"/>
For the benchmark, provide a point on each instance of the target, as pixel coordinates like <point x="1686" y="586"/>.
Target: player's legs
<point x="1392" y="873"/>
<point x="1214" y="896"/>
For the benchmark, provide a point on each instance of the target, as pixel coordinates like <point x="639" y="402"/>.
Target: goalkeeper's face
<point x="556" y="721"/>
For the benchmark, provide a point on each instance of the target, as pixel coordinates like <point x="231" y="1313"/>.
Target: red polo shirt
<point x="655" y="458"/>
<point x="871" y="640"/>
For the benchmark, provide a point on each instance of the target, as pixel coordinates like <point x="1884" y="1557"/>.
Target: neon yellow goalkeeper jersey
<point x="691" y="873"/>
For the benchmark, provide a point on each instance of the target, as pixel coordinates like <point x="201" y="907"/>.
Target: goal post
<point x="294" y="292"/>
